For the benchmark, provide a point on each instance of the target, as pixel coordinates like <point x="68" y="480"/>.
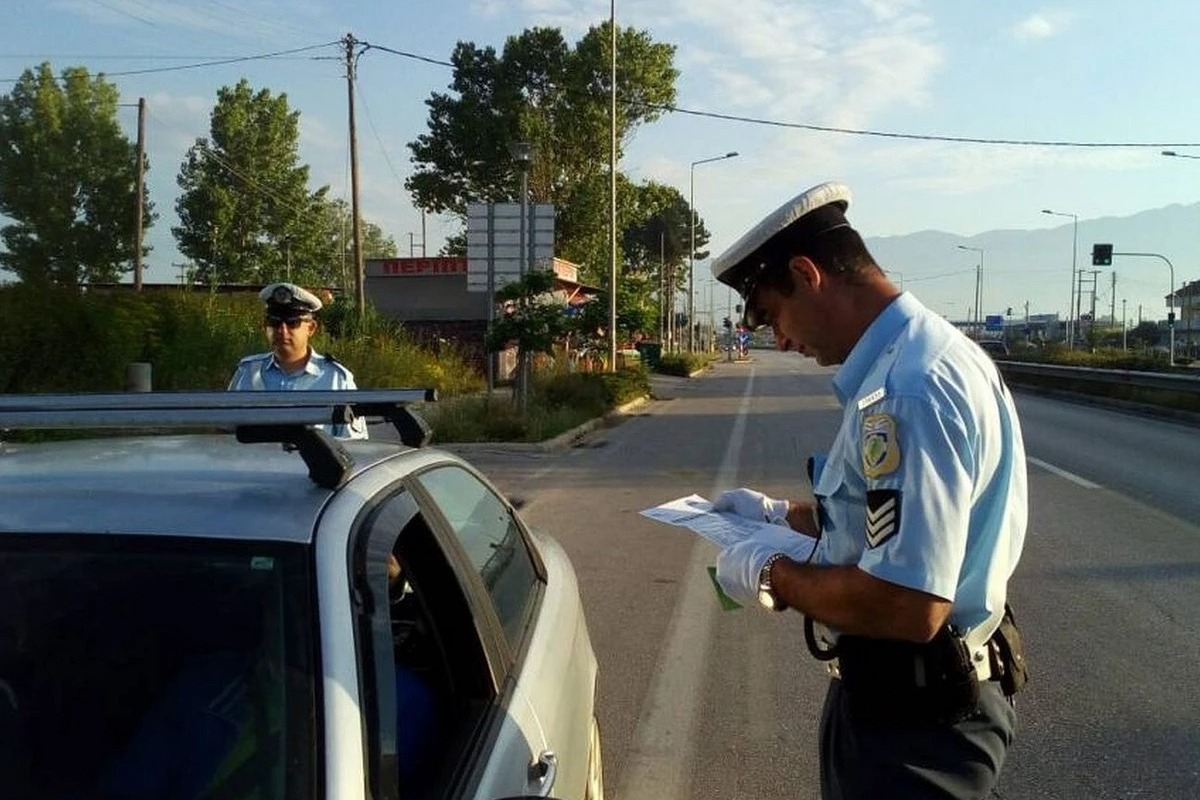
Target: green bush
<point x="683" y="364"/>
<point x="626" y="385"/>
<point x="585" y="390"/>
<point x="478" y="419"/>
<point x="58" y="340"/>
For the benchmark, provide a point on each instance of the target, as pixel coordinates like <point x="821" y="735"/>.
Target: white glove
<point x="740" y="564"/>
<point x="752" y="505"/>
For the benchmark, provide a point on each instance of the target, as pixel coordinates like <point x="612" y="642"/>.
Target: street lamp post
<point x="692" y="246"/>
<point x="1074" y="267"/>
<point x="1173" y="154"/>
<point x="978" y="285"/>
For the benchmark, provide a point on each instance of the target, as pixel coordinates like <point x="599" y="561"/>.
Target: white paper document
<point x="722" y="528"/>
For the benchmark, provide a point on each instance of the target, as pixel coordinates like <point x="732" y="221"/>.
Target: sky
<point x="914" y="71"/>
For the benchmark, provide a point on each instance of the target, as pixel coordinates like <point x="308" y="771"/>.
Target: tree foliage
<point x="68" y="180"/>
<point x="246" y="212"/>
<point x="555" y="97"/>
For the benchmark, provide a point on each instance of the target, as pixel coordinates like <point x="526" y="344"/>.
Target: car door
<point x="482" y="739"/>
<point x="535" y="598"/>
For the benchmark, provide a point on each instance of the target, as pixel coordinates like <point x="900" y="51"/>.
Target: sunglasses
<point x="291" y="322"/>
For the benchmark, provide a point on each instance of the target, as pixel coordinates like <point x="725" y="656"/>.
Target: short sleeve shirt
<point x="262" y="372"/>
<point x="925" y="484"/>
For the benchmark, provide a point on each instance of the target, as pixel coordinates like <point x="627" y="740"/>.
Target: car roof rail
<point x="254" y="416"/>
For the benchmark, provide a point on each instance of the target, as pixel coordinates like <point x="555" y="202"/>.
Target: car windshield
<point x="172" y="668"/>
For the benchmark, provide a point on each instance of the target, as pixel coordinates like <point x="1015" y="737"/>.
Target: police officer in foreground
<point x="920" y="516"/>
<point x="292" y="363"/>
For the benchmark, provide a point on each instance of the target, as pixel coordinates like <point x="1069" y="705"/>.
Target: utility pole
<point x="1124" y="328"/>
<point x="360" y="295"/>
<point x="1112" y="305"/>
<point x="141" y="190"/>
<point x="612" y="190"/>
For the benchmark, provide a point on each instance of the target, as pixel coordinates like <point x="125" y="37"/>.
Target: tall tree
<point x="554" y="97"/>
<point x="68" y="180"/>
<point x="324" y="256"/>
<point x="246" y="213"/>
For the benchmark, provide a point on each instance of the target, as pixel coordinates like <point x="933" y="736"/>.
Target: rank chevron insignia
<point x="883" y="515"/>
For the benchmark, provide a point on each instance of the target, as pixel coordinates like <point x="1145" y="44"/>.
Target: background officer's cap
<point x="289" y="300"/>
<point x="783" y="233"/>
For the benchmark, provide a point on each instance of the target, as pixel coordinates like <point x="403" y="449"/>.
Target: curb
<point x="560" y="442"/>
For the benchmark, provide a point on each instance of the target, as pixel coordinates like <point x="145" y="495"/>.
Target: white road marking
<point x="660" y="759"/>
<point x="1062" y="473"/>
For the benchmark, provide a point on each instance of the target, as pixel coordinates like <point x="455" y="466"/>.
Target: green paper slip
<point x="727" y="602"/>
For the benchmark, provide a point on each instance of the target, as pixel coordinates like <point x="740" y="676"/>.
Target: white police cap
<point x="289" y="299"/>
<point x="811" y="213"/>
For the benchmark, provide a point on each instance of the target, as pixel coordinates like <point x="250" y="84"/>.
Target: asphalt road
<point x="700" y="703"/>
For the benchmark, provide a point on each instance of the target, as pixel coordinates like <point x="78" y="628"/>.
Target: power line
<point x="223" y="61"/>
<point x="893" y="135"/>
<point x="378" y="138"/>
<point x="416" y="57"/>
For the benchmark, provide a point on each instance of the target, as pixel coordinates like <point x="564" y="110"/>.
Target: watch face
<point x="766" y="599"/>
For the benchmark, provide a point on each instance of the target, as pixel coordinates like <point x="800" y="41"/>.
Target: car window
<point x="491" y="538"/>
<point x="426" y="669"/>
<point x="174" y="668"/>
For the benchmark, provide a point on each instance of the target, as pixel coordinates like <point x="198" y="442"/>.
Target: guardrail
<point x="1162" y="390"/>
<point x="1173" y="382"/>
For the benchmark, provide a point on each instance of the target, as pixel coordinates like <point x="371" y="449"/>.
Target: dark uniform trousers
<point x="897" y="761"/>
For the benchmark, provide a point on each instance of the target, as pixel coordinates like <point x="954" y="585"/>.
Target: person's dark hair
<point x="840" y="251"/>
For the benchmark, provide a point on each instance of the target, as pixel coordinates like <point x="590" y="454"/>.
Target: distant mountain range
<point x="1034" y="266"/>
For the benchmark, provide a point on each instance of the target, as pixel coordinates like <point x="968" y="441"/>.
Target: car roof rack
<point x="254" y="416"/>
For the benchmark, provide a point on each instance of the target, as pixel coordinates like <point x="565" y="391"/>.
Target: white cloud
<point x="1043" y="24"/>
<point x="805" y="63"/>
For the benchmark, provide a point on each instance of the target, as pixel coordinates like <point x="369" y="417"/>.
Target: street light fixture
<point x="1173" y="154"/>
<point x="1074" y="250"/>
<point x="692" y="246"/>
<point x="978" y="284"/>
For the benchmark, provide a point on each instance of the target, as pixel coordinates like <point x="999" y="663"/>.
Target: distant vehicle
<point x="994" y="347"/>
<point x="322" y="619"/>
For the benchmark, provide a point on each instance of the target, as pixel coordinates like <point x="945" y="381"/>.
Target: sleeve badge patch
<point x="880" y="449"/>
<point x="883" y="515"/>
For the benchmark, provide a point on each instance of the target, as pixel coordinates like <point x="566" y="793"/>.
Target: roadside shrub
<point x="584" y="390"/>
<point x="683" y="364"/>
<point x="625" y="385"/>
<point x="62" y="340"/>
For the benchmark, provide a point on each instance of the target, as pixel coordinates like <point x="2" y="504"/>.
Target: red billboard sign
<point x="399" y="267"/>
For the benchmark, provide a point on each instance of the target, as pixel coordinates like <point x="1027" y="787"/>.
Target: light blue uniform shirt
<point x="930" y="442"/>
<point x="262" y="372"/>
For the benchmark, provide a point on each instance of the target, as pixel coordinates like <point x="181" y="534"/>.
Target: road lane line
<point x="660" y="760"/>
<point x="1062" y="473"/>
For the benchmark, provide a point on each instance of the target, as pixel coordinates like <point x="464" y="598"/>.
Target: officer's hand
<point x="752" y="505"/>
<point x="739" y="564"/>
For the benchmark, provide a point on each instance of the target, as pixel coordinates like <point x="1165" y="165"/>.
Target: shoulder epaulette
<point x="255" y="357"/>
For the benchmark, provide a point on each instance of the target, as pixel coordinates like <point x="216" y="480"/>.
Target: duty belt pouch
<point x="1008" y="654"/>
<point x="890" y="682"/>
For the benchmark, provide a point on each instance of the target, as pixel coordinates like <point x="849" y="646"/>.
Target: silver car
<point x="278" y="614"/>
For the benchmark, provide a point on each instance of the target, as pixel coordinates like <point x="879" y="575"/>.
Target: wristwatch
<point x="766" y="594"/>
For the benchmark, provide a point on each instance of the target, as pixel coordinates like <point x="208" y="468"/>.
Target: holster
<point x="888" y="681"/>
<point x="1007" y="655"/>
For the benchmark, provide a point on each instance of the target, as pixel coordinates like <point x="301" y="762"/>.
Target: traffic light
<point x="1102" y="255"/>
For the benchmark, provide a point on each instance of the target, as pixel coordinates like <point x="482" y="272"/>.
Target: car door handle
<point x="544" y="771"/>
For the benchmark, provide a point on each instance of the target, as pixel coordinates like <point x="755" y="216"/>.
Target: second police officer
<point x="291" y="363"/>
<point x="920" y="516"/>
